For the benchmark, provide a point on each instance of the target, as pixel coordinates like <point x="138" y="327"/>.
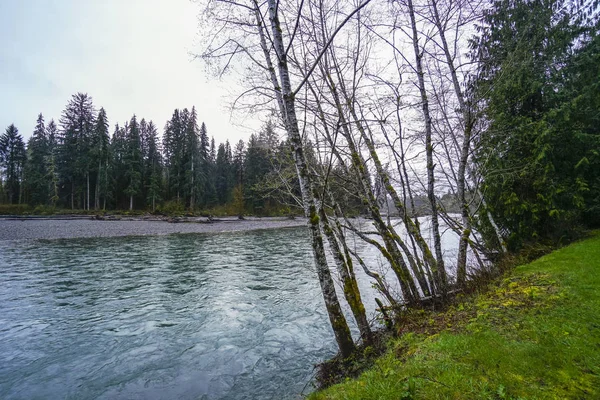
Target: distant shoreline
<point x="77" y="226"/>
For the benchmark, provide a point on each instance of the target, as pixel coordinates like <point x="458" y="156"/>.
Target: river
<point x="188" y="316"/>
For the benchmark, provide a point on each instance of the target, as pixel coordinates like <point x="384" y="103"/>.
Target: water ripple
<point x="194" y="316"/>
<point x="235" y="316"/>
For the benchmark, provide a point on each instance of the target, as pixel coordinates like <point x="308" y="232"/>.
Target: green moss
<point x="535" y="335"/>
<point x="352" y="295"/>
<point x="314" y="218"/>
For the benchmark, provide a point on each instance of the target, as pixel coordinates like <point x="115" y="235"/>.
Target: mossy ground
<point x="535" y="335"/>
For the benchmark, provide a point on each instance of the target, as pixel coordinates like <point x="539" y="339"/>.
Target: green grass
<point x="536" y="335"/>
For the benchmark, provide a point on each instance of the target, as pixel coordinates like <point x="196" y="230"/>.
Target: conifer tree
<point x="12" y="162"/>
<point x="535" y="189"/>
<point x="52" y="177"/>
<point x="100" y="154"/>
<point x="173" y="144"/>
<point x="222" y="169"/>
<point x="153" y="167"/>
<point x="207" y="188"/>
<point x="238" y="163"/>
<point x="77" y="123"/>
<point x="230" y="171"/>
<point x="237" y="168"/>
<point x="133" y="161"/>
<point x="35" y="171"/>
<point x="257" y="165"/>
<point x="192" y="157"/>
<point x="117" y="177"/>
<point x="144" y="155"/>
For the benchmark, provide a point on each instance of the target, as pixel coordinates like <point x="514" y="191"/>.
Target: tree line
<point x="77" y="164"/>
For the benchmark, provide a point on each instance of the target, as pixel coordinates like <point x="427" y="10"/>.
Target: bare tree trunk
<point x="388" y="234"/>
<point x="413" y="228"/>
<point x="130" y="202"/>
<point x="439" y="272"/>
<point x="350" y="286"/>
<point x="380" y="283"/>
<point x="461" y="271"/>
<point x="334" y="310"/>
<point x="494" y="225"/>
<point x="391" y="252"/>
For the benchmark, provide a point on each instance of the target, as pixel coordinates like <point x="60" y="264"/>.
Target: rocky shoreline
<point x="84" y="226"/>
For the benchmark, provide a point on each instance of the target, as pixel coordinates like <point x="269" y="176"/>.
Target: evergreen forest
<point x="81" y="164"/>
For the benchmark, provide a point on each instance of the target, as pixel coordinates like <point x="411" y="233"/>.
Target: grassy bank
<point x="536" y="335"/>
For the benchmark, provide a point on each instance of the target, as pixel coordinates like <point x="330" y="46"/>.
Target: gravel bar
<point x="36" y="228"/>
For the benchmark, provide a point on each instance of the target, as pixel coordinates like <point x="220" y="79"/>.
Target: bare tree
<point x="381" y="90"/>
<point x="268" y="30"/>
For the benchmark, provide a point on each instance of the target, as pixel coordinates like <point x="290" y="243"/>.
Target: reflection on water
<point x="184" y="316"/>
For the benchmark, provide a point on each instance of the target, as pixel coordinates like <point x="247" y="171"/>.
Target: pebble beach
<point x="19" y="228"/>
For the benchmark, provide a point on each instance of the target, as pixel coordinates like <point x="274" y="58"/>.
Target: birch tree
<point x="270" y="38"/>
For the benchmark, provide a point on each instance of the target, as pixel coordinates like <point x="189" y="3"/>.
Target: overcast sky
<point x="131" y="56"/>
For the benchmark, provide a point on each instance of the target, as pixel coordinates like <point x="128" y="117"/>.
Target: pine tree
<point x="168" y="155"/>
<point x="133" y="161"/>
<point x="203" y="150"/>
<point x="35" y="172"/>
<point x="222" y="172"/>
<point x="534" y="187"/>
<point x="213" y="151"/>
<point x="12" y="161"/>
<point x="77" y="122"/>
<point x="257" y="165"/>
<point x="210" y="170"/>
<point x="268" y="137"/>
<point x="144" y="151"/>
<point x="99" y="155"/>
<point x="207" y="188"/>
<point x="192" y="157"/>
<point x="52" y="177"/>
<point x="117" y="177"/>
<point x="238" y="163"/>
<point x="238" y="177"/>
<point x="173" y="144"/>
<point x="230" y="171"/>
<point x="153" y="168"/>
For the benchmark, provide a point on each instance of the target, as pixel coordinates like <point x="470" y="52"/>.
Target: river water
<point x="236" y="316"/>
<point x="194" y="316"/>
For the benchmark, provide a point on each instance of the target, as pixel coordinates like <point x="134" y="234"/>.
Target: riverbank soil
<point x="534" y="335"/>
